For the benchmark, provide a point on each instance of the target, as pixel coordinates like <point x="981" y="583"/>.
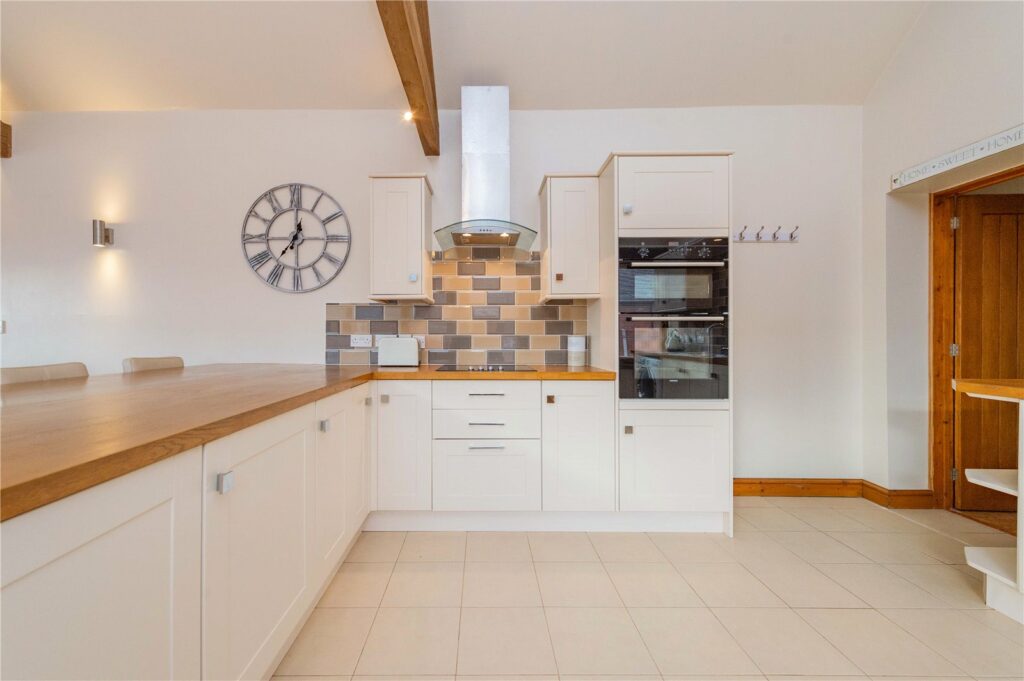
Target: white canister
<point x="577" y="346"/>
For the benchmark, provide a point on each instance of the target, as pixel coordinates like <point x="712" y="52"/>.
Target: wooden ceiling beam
<point x="6" y="141"/>
<point x="407" y="25"/>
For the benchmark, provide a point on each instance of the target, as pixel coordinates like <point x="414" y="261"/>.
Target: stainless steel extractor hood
<point x="486" y="186"/>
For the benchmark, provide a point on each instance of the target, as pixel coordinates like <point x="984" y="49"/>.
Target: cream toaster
<point x="398" y="352"/>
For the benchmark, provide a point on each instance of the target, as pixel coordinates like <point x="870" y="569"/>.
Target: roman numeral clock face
<point x="296" y="238"/>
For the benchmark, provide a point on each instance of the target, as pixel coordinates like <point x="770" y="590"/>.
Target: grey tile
<point x="515" y="342"/>
<point x="486" y="312"/>
<point x="373" y="356"/>
<point x="486" y="283"/>
<point x="333" y="326"/>
<point x="338" y="342"/>
<point x="384" y="327"/>
<point x="369" y="312"/>
<point x="557" y="328"/>
<point x="437" y="283"/>
<point x="528" y="268"/>
<point x="534" y="283"/>
<point x="556" y="356"/>
<point x="501" y="297"/>
<point x="505" y="327"/>
<point x="426" y="312"/>
<point x="439" y="327"/>
<point x="501" y="357"/>
<point x="544" y="312"/>
<point x="441" y="357"/>
<point x="457" y="342"/>
<point x="486" y="253"/>
<point x="472" y="268"/>
<point x="332" y="357"/>
<point x="445" y="297"/>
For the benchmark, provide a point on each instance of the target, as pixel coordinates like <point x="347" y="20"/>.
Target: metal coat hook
<point x="759" y="232"/>
<point x="742" y="233"/>
<point x="775" y="234"/>
<point x="792" y="235"/>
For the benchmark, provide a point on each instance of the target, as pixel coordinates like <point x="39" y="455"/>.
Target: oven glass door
<point x="673" y="357"/>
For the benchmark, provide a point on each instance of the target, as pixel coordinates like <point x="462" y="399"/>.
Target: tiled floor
<point x="808" y="588"/>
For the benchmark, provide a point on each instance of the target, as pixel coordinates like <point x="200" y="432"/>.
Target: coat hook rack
<point x="779" y="236"/>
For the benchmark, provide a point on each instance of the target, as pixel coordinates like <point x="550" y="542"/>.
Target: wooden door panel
<point x="990" y="333"/>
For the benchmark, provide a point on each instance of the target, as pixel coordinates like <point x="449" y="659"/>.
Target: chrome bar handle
<point x="486" y="394"/>
<point x="678" y="263"/>
<point x="485" y="424"/>
<point x="666" y="318"/>
<point x="487" y="447"/>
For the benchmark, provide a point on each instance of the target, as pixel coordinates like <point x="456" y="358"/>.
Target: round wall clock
<point x="296" y="237"/>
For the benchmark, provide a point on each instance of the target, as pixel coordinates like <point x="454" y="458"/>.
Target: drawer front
<point x="486" y="394"/>
<point x="486" y="423"/>
<point x="487" y="475"/>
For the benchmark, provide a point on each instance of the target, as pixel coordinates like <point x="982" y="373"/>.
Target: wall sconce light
<point x="101" y="234"/>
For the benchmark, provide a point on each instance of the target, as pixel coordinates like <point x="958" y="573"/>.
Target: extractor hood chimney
<point x="486" y="187"/>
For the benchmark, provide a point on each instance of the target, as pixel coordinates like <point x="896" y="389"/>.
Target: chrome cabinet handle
<point x="325" y="425"/>
<point x="629" y="430"/>
<point x="677" y="263"/>
<point x="485" y="423"/>
<point x="488" y="447"/>
<point x="670" y="318"/>
<point x="225" y="482"/>
<point x="486" y="394"/>
<point x="384" y="399"/>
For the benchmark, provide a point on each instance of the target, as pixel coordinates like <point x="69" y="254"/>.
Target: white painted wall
<point x="958" y="77"/>
<point x="175" y="186"/>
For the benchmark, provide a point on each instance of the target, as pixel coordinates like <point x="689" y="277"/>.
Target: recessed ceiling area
<point x="110" y="56"/>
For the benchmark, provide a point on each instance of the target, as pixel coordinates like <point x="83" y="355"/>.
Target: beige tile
<point x="781" y="643"/>
<point x="354" y="357"/>
<point x="943" y="521"/>
<point x="487" y="342"/>
<point x="579" y="327"/>
<point x="772" y="519"/>
<point x="746" y="546"/>
<point x="829" y="520"/>
<point x="691" y="548"/>
<point x="962" y="640"/>
<point x="471" y="297"/>
<point x="1000" y="623"/>
<point x="790" y="503"/>
<point x="340" y="312"/>
<point x="457" y="312"/>
<point x="651" y="585"/>
<point x="500" y="268"/>
<point x="446" y="269"/>
<point x="626" y="547"/>
<point x="728" y="585"/>
<point x="424" y="585"/>
<point x="576" y="585"/>
<point x="469" y="327"/>
<point x="355" y="326"/>
<point x="515" y="283"/>
<point x="817" y="547"/>
<point x="455" y="283"/>
<point x="985" y="538"/>
<point x="499" y="677"/>
<point x="413" y="326"/>
<point x="751" y="502"/>
<point x="329" y="643"/>
<point x="398" y="312"/>
<point x="500" y="585"/>
<point x="376" y="547"/>
<point x="802" y="586"/>
<point x="879" y="587"/>
<point x="530" y="356"/>
<point x="515" y="312"/>
<point x="561" y="547"/>
<point x="945" y="549"/>
<point x="885" y="547"/>
<point x="574" y="312"/>
<point x="844" y="503"/>
<point x="318" y="677"/>
<point x="597" y="641"/>
<point x="489" y="547"/>
<point x="875" y="644"/>
<point x="471" y="357"/>
<point x="505" y="641"/>
<point x="434" y="546"/>
<point x="690" y="641"/>
<point x="545" y="342"/>
<point x="357" y="585"/>
<point x="527" y="297"/>
<point x="955" y="587"/>
<point x="530" y="327"/>
<point x="882" y="520"/>
<point x="411" y="641"/>
<point x="434" y="342"/>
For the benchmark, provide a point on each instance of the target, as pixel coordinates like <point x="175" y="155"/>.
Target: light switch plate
<point x="361" y="341"/>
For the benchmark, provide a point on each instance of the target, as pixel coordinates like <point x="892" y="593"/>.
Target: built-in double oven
<point x="674" y="318"/>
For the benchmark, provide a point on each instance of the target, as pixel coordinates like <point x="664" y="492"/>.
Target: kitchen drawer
<point x="487" y="475"/>
<point x="486" y="394"/>
<point x="485" y="423"/>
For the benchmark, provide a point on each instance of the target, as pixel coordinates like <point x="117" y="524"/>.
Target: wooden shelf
<point x="997" y="562"/>
<point x="1000" y="479"/>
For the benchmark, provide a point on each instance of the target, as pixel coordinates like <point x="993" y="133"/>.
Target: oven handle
<point x="662" y="318"/>
<point x="677" y="263"/>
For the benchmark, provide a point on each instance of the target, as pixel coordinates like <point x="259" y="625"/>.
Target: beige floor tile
<point x="802" y="586"/>
<point x="489" y="547"/>
<point x="376" y="547"/>
<point x="411" y="641"/>
<point x="505" y="641"/>
<point x="597" y="641"/>
<point x="882" y="520"/>
<point x="1000" y="623"/>
<point x="942" y="521"/>
<point x="505" y="677"/>
<point x="691" y="548"/>
<point x="962" y="640"/>
<point x="880" y="587"/>
<point x="943" y="549"/>
<point x="626" y="547"/>
<point x="652" y="585"/>
<point x="985" y="538"/>
<point x="576" y="585"/>
<point x="772" y="519"/>
<point x="751" y="502"/>
<point x="329" y="643"/>
<point x="844" y="503"/>
<point x="562" y="547"/>
<point x="424" y="585"/>
<point x="829" y="520"/>
<point x="690" y="641"/>
<point x="741" y="525"/>
<point x="728" y="585"/>
<point x="318" y="677"/>
<point x="780" y="642"/>
<point x="746" y="546"/>
<point x="876" y="645"/>
<point x="817" y="547"/>
<point x="357" y="585"/>
<point x="500" y="585"/>
<point x="789" y="503"/>
<point x="885" y="547"/>
<point x="955" y="587"/>
<point x="438" y="547"/>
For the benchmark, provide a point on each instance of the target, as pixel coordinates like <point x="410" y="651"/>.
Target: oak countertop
<point x="1006" y="388"/>
<point x="61" y="437"/>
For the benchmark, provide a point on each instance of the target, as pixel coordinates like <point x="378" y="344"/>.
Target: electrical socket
<point x="422" y="340"/>
<point x="361" y="341"/>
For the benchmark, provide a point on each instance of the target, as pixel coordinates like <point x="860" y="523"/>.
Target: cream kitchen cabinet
<point x="400" y="238"/>
<point x="403" y="446"/>
<point x="677" y="192"/>
<point x="105" y="584"/>
<point x="579" y="445"/>
<point x="569" y="238"/>
<point x="259" y="561"/>
<point x="487" y="475"/>
<point x="674" y="460"/>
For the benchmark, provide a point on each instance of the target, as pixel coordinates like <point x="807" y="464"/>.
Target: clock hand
<point x="291" y="244"/>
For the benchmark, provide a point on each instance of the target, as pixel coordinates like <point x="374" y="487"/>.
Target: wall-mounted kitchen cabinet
<point x="569" y="237"/>
<point x="403" y="446"/>
<point x="673" y="192"/>
<point x="400" y="238"/>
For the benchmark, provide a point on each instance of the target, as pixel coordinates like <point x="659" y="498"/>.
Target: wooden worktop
<point x="1007" y="388"/>
<point x="61" y="437"/>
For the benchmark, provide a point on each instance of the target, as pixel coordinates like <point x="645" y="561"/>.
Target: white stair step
<point x="1000" y="479"/>
<point x="998" y="562"/>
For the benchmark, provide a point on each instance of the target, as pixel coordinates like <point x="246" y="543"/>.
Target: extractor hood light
<point x="101" y="234"/>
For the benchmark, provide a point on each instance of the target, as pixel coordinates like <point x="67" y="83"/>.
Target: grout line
<point x="376" y="611"/>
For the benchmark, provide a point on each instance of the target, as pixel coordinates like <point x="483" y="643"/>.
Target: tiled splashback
<point x="486" y="310"/>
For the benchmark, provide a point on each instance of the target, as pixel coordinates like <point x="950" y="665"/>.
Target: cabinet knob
<point x="368" y="401"/>
<point x="325" y="425"/>
<point x="627" y="209"/>
<point x="551" y="399"/>
<point x="225" y="482"/>
<point x="629" y="430"/>
<point x="559" y="276"/>
<point x="384" y="399"/>
<point x="414" y="277"/>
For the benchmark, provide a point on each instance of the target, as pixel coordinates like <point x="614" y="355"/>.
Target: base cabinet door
<point x="674" y="460"/>
<point x="673" y="192"/>
<point x="487" y="475"/>
<point x="579" y="445"/>
<point x="358" y="428"/>
<point x="105" y="584"/>
<point x="257" y="548"/>
<point x="403" y="446"/>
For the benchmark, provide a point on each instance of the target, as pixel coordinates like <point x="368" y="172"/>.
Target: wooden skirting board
<point x="833" y="487"/>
